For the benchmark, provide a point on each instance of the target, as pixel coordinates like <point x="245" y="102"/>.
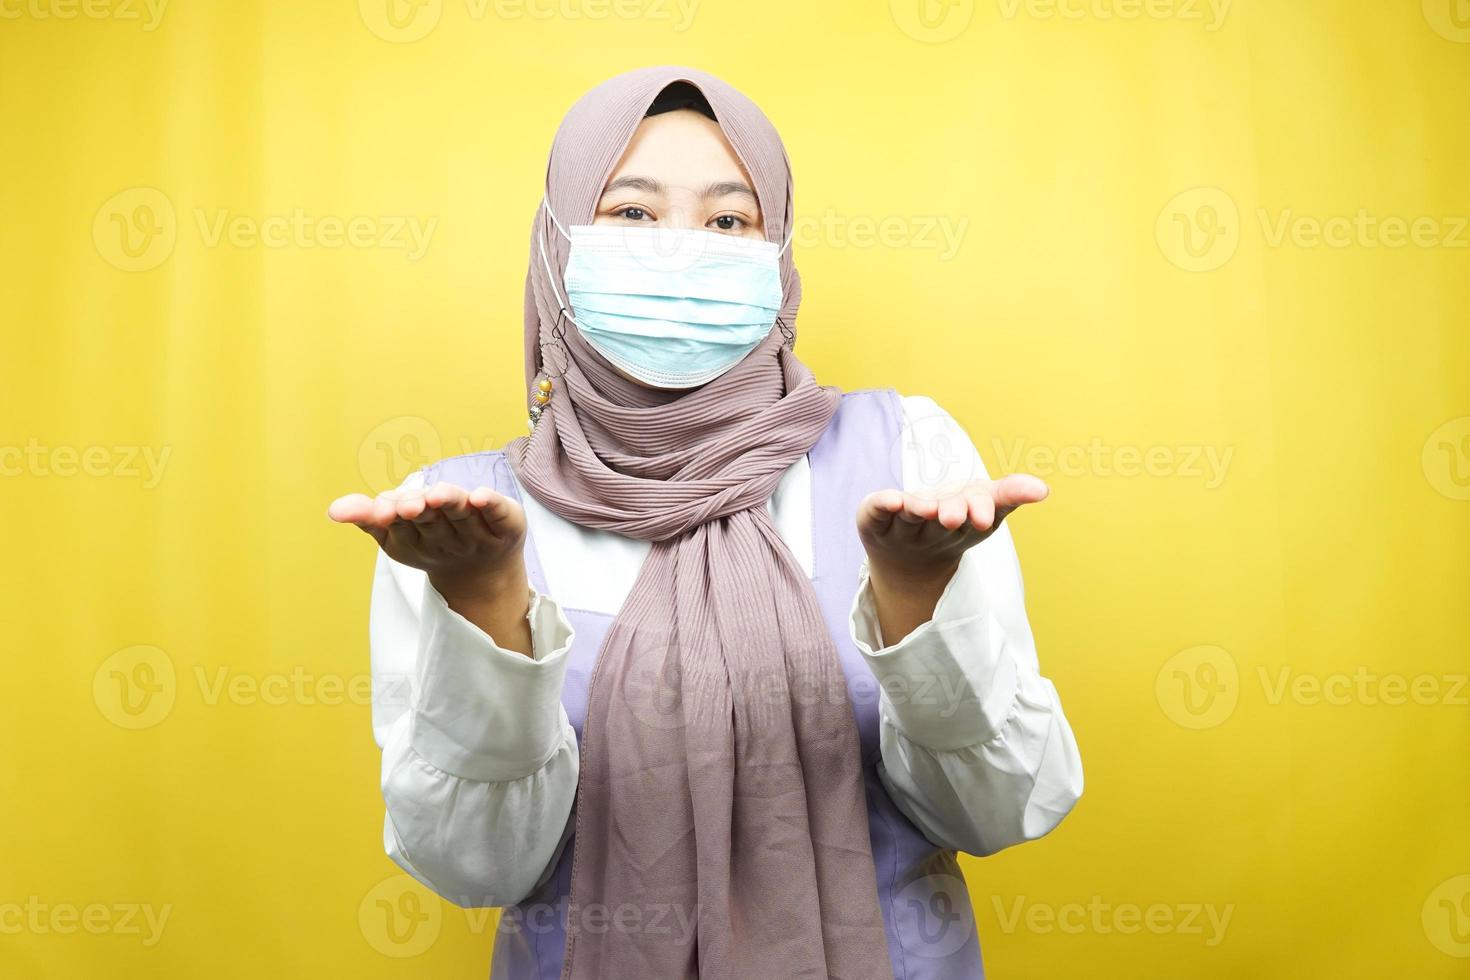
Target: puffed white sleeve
<point x="479" y="760"/>
<point x="975" y="748"/>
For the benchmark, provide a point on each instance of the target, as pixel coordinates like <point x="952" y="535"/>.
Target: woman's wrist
<point x="905" y="596"/>
<point x="496" y="600"/>
<point x="483" y="585"/>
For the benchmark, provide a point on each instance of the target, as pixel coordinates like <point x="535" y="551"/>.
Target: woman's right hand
<point x="469" y="542"/>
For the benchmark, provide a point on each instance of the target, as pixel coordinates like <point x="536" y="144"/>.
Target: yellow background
<point x="1075" y="323"/>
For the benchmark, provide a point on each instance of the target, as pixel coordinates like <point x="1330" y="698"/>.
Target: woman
<point x="716" y="670"/>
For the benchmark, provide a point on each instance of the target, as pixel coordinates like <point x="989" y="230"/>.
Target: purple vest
<point x="926" y="906"/>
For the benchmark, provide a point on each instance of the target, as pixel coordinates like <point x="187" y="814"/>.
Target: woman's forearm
<point x="496" y="602"/>
<point x="904" y="597"/>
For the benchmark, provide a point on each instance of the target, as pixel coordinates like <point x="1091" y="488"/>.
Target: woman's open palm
<point x="922" y="530"/>
<point x="455" y="535"/>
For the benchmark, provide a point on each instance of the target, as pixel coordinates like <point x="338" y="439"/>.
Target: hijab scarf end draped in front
<point x="721" y="827"/>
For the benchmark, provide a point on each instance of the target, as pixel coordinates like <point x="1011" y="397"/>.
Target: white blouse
<point x="480" y="761"/>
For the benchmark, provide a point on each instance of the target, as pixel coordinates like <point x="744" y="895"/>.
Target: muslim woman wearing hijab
<point x="713" y="673"/>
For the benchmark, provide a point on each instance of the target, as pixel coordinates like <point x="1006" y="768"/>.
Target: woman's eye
<point x="633" y="214"/>
<point x="728" y="222"/>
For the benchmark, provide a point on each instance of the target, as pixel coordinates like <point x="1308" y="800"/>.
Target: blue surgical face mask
<point x="672" y="307"/>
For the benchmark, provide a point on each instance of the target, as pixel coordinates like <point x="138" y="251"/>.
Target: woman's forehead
<point x="680" y="152"/>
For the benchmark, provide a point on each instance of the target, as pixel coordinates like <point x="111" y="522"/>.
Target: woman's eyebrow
<point x="646" y="184"/>
<point x="727" y="187"/>
<point x="649" y="185"/>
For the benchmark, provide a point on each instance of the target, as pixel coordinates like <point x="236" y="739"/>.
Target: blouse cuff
<point x="950" y="683"/>
<point x="482" y="711"/>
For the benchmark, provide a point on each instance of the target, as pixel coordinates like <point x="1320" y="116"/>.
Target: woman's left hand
<point x="914" y="531"/>
<point x="915" y="540"/>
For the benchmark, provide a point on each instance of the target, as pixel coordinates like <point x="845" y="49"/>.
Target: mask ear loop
<point x="786" y="332"/>
<point x="541" y="393"/>
<point x="558" y="342"/>
<point x="546" y="263"/>
<point x="546" y="206"/>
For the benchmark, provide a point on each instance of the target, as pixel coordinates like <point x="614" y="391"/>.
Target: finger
<point x="380" y="519"/>
<point x="451" y="501"/>
<point x="495" y="511"/>
<point x="878" y="508"/>
<point x="401" y="532"/>
<point x="918" y="509"/>
<point x="357" y="509"/>
<point x="982" y="510"/>
<point x="1012" y="491"/>
<point x="427" y="513"/>
<point x="378" y="512"/>
<point x="397" y="505"/>
<point x="354" y="508"/>
<point x="953" y="512"/>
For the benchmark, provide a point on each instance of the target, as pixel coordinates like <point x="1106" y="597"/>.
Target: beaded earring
<point x="541" y="393"/>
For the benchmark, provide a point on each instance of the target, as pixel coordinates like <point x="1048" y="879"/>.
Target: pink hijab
<point x="720" y="779"/>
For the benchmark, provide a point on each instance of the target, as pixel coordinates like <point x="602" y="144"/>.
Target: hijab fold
<point x="721" y="826"/>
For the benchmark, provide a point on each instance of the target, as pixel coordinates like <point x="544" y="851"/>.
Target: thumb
<point x="1012" y="491"/>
